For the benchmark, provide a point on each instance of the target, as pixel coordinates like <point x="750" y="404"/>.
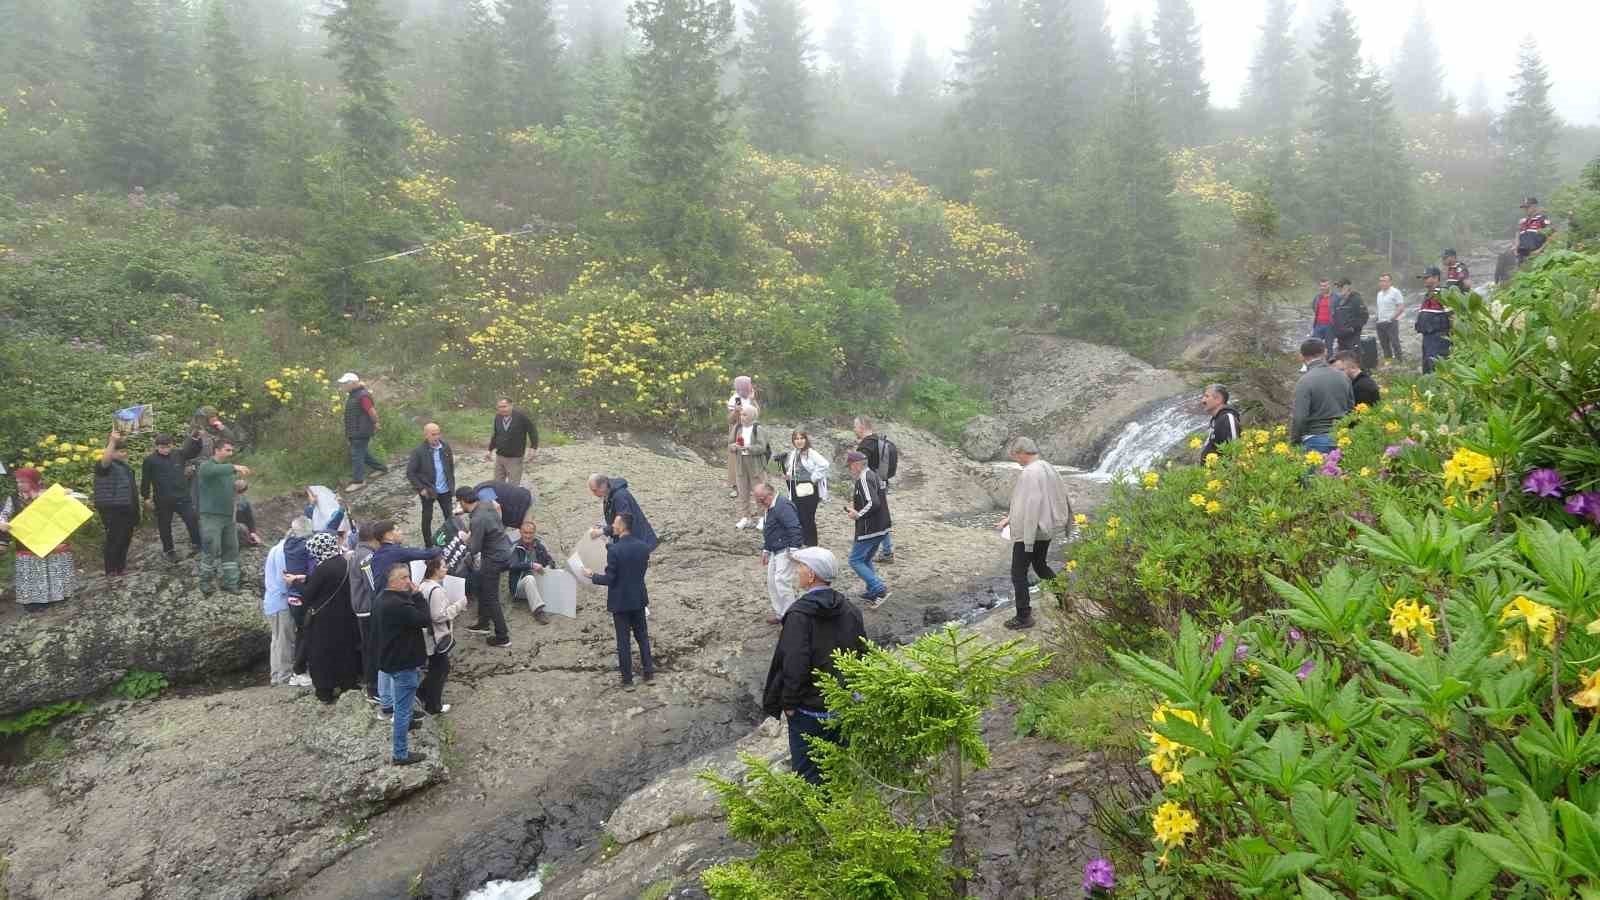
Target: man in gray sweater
<point x="1321" y="397"/>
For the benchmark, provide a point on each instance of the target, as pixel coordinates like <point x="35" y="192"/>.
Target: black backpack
<point x="888" y="458"/>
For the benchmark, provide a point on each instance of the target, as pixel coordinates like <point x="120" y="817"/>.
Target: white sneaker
<point x="301" y="681"/>
<point x="761" y="522"/>
<point x="742" y="523"/>
<point x="444" y="708"/>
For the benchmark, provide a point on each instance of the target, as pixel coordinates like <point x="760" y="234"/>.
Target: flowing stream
<point x="1146" y="439"/>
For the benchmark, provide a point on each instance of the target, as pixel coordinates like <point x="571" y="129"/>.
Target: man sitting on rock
<point x="821" y="621"/>
<point x="528" y="557"/>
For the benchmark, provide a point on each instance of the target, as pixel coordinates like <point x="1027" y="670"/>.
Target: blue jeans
<point x="888" y="543"/>
<point x="361" y="457"/>
<point x="403" y="691"/>
<point x="1318" y="442"/>
<point x="802" y="726"/>
<point x="861" y="554"/>
<point x="1324" y="333"/>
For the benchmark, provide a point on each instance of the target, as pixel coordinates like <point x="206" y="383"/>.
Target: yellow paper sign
<point x="49" y="519"/>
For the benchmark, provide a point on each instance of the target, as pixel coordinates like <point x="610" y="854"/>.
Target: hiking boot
<point x="1019" y="623"/>
<point x="628" y="686"/>
<point x="743" y="523"/>
<point x="540" y="617"/>
<point x="371" y="698"/>
<point x="481" y="628"/>
<point x="232" y="589"/>
<point x="354" y="486"/>
<point x="299" y="681"/>
<point x="500" y="641"/>
<point x="384" y="715"/>
<point x="886" y="559"/>
<point x="733" y="493"/>
<point x="411" y="759"/>
<point x="171" y="555"/>
<point x="650" y="678"/>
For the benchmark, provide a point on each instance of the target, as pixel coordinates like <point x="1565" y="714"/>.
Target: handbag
<point x="804" y="489"/>
<point x="441" y="645"/>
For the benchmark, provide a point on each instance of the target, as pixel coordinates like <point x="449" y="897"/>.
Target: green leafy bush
<point x="39" y="717"/>
<point x="942" y="406"/>
<point x="887" y="819"/>
<point x="1099" y="715"/>
<point x="140" y="685"/>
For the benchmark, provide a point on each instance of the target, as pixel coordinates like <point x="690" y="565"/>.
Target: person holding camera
<point x="744" y="394"/>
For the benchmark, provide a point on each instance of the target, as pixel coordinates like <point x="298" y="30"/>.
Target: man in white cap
<point x="820" y="622"/>
<point x="360" y="424"/>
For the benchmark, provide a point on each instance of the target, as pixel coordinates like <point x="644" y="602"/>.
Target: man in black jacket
<point x="528" y="557"/>
<point x="116" y="498"/>
<point x="820" y="622"/>
<point x="486" y="536"/>
<point x="627" y="560"/>
<point x="398" y="617"/>
<point x="871" y="446"/>
<point x="431" y="469"/>
<point x="869" y="509"/>
<point x="615" y="500"/>
<point x="1224" y="419"/>
<point x="514" y="500"/>
<point x="515" y="440"/>
<point x="1349" y="316"/>
<point x="1362" y="387"/>
<point x="163" y="477"/>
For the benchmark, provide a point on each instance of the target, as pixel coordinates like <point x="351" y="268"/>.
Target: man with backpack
<point x="1434" y="321"/>
<point x="1349" y="316"/>
<point x="1533" y="230"/>
<point x="883" y="457"/>
<point x="869" y="510"/>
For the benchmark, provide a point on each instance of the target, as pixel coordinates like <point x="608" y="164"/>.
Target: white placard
<point x="560" y="593"/>
<point x="455" y="587"/>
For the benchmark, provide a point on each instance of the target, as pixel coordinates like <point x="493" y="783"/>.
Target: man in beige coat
<point x="1039" y="509"/>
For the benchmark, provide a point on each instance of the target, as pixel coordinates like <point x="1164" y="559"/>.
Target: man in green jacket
<point x="219" y="541"/>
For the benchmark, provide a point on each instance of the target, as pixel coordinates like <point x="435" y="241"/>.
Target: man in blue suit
<point x="627" y="558"/>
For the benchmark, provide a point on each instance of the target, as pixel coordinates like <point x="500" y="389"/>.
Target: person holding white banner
<point x="780" y="537"/>
<point x="444" y="608"/>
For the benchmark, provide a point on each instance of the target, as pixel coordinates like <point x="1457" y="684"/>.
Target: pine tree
<point x="678" y="118"/>
<point x="534" y="82"/>
<point x="777" y="76"/>
<point x="1094" y="83"/>
<point x="1336" y="118"/>
<point x="1386" y="200"/>
<point x="362" y="42"/>
<point x="1037" y="81"/>
<point x="235" y="129"/>
<point x="981" y="66"/>
<point x="480" y="97"/>
<point x="842" y="43"/>
<point x="1273" y="92"/>
<point x="1182" y="97"/>
<point x="1145" y="185"/>
<point x="1418" y="70"/>
<point x="922" y="79"/>
<point x="874" y="79"/>
<point x="1478" y="100"/>
<point x="1529" y="127"/>
<point x="128" y="129"/>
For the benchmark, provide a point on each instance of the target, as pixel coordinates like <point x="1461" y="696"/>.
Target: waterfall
<point x="1148" y="438"/>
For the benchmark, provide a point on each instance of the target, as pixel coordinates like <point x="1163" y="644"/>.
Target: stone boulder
<point x="984" y="438"/>
<point x="155" y="619"/>
<point x="224" y="797"/>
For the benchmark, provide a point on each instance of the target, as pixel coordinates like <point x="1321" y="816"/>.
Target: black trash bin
<point x="1369" y="353"/>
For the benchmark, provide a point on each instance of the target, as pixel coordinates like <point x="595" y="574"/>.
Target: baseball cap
<point x="1530" y="201"/>
<point x="163" y="440"/>
<point x="1449" y="251"/>
<point x="1431" y="270"/>
<point x="349" y="378"/>
<point x="855" y="456"/>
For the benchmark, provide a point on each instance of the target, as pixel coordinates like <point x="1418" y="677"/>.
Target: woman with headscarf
<point x="744" y="394"/>
<point x="751" y="452"/>
<point x="331" y="640"/>
<point x="44" y="580"/>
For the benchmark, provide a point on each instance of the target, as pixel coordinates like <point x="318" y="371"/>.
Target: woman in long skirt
<point x="332" y="641"/>
<point x="41" y="580"/>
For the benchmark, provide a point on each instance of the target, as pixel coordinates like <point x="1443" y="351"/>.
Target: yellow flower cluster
<point x="1525" y="619"/>
<point x="1469" y="469"/>
<point x="1172" y="825"/>
<point x="1313" y="458"/>
<point x="1166" y="755"/>
<point x="1408" y="616"/>
<point x="1152" y="479"/>
<point x="1588" y="694"/>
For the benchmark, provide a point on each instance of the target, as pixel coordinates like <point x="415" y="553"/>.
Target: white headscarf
<point x="327" y="503"/>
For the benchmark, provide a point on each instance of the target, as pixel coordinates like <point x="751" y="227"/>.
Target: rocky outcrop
<point x="154" y="619"/>
<point x="984" y="438"/>
<point x="224" y="797"/>
<point x="1072" y="397"/>
<point x="1030" y="829"/>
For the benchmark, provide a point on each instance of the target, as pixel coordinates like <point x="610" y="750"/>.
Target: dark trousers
<point x="165" y="507"/>
<point x="1349" y="341"/>
<point x="802" y="726"/>
<point x="1389" y="339"/>
<point x="362" y="459"/>
<point x="636" y="625"/>
<point x="1434" y="347"/>
<point x="119" y="522"/>
<point x="1324" y="333"/>
<point x="807" y="508"/>
<point x="489" y="608"/>
<point x="432" y="691"/>
<point x="427" y="515"/>
<point x="369" y="656"/>
<point x="1021" y="559"/>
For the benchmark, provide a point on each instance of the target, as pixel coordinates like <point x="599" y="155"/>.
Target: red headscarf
<point x="30" y="478"/>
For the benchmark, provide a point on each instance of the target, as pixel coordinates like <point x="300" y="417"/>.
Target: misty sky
<point x="1477" y="37"/>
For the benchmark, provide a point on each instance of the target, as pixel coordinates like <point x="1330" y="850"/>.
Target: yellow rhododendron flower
<point x="1392" y="427"/>
<point x="1364" y="472"/>
<point x="1151" y="479"/>
<point x="1362" y="407"/>
<point x="1516" y="646"/>
<point x="1468" y="468"/>
<point x="1344" y="441"/>
<point x="1407" y="616"/>
<point x="1197" y="500"/>
<point x="1072" y="565"/>
<point x="1213" y="507"/>
<point x="1537" y="617"/>
<point x="1211" y="460"/>
<point x="1280" y="448"/>
<point x="1214" y="485"/>
<point x="1080" y="519"/>
<point x="1590" y="694"/>
<point x="1281" y="430"/>
<point x="1195" y="443"/>
<point x="1172" y="824"/>
<point x="1313" y="458"/>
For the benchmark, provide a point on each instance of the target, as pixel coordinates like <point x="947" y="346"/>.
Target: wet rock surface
<point x="155" y="619"/>
<point x="275" y="795"/>
<point x="1072" y="397"/>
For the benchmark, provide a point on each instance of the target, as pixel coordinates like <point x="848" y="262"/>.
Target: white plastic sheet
<point x="558" y="590"/>
<point x="589" y="553"/>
